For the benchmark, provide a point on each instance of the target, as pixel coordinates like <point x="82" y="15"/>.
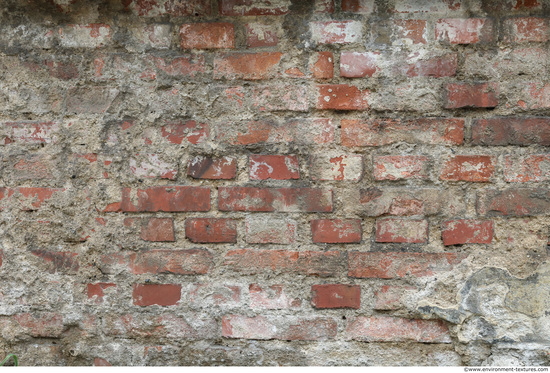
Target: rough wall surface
<point x="284" y="182"/>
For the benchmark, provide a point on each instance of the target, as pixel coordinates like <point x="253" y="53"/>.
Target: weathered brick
<point x="342" y="97"/>
<point x="400" y="264"/>
<point x="336" y="296"/>
<point x="534" y="96"/>
<point x="201" y="167"/>
<point x="29" y="133"/>
<point x="271" y="298"/>
<point x="411" y="31"/>
<point x="157" y="230"/>
<point x="340" y="167"/>
<point x="358" y="6"/>
<point x="304" y="132"/>
<point x="204" y="230"/>
<point x="526" y="29"/>
<point x="478" y="95"/>
<point x="398" y="167"/>
<point x="395" y="329"/>
<point x="207" y="35"/>
<point x="466" y="231"/>
<point x="464" y="31"/>
<point x="310" y="263"/>
<point x="168" y="199"/>
<point x="337" y="32"/>
<point x="31" y="168"/>
<point x="150" y="166"/>
<point x="159" y="294"/>
<point x="181" y="262"/>
<point x="93" y="35"/>
<point x="322" y="65"/>
<point x="90" y="100"/>
<point x="266" y="229"/>
<point x="182" y="66"/>
<point x="158" y="36"/>
<point x="476" y="168"/>
<point x="212" y="295"/>
<point x="247" y="66"/>
<point x="511" y="131"/>
<point x="421" y="201"/>
<point x="401" y="230"/>
<point x="376" y="132"/>
<point x="514" y="202"/>
<point x="274" y="199"/>
<point x="97" y="290"/>
<point x="526" y="168"/>
<point x="324" y="6"/>
<point x="359" y="64"/>
<point x="391" y="297"/>
<point x="251" y="8"/>
<point x="439" y="66"/>
<point x="190" y="131"/>
<point x="336" y="230"/>
<point x="288" y="328"/>
<point x="430" y="6"/>
<point x="176" y="8"/>
<point x="58" y="261"/>
<point x="42" y="325"/>
<point x="276" y="167"/>
<point x="259" y="35"/>
<point x="280" y="98"/>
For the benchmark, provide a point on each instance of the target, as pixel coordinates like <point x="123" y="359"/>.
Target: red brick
<point x="274" y="199"/>
<point x="358" y="6"/>
<point x="251" y="8"/>
<point x="160" y="294"/>
<point x="289" y="328"/>
<point x="514" y="202"/>
<point x="511" y="131"/>
<point x="176" y="8"/>
<point x="475" y="168"/>
<point x="275" y="167"/>
<point x="337" y="32"/>
<point x="270" y="230"/>
<point x="157" y="230"/>
<point x="166" y="325"/>
<point x="400" y="264"/>
<point x="336" y="296"/>
<point x="411" y="31"/>
<point x="464" y="31"/>
<point x="398" y="167"/>
<point x="333" y="166"/>
<point x="183" y="66"/>
<point x="58" y="261"/>
<point x="359" y="64"/>
<point x="342" y="97"/>
<point x="464" y="231"/>
<point x="43" y="325"/>
<point x="378" y="132"/>
<point x="526" y="29"/>
<point x="213" y="35"/>
<point x="401" y="230"/>
<point x="394" y="329"/>
<point x="272" y="298"/>
<point x="322" y="66"/>
<point x="190" y="131"/>
<point x="201" y="167"/>
<point x="180" y="262"/>
<point x="96" y="290"/>
<point x="478" y="95"/>
<point x="259" y="35"/>
<point x="210" y="230"/>
<point x="336" y="230"/>
<point x="280" y="98"/>
<point x="391" y="297"/>
<point x="304" y="132"/>
<point x="437" y="67"/>
<point x="247" y="66"/>
<point x="526" y="168"/>
<point x="310" y="263"/>
<point x="30" y="133"/>
<point x="166" y="198"/>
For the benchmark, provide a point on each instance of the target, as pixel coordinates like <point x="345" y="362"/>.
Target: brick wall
<point x="284" y="182"/>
